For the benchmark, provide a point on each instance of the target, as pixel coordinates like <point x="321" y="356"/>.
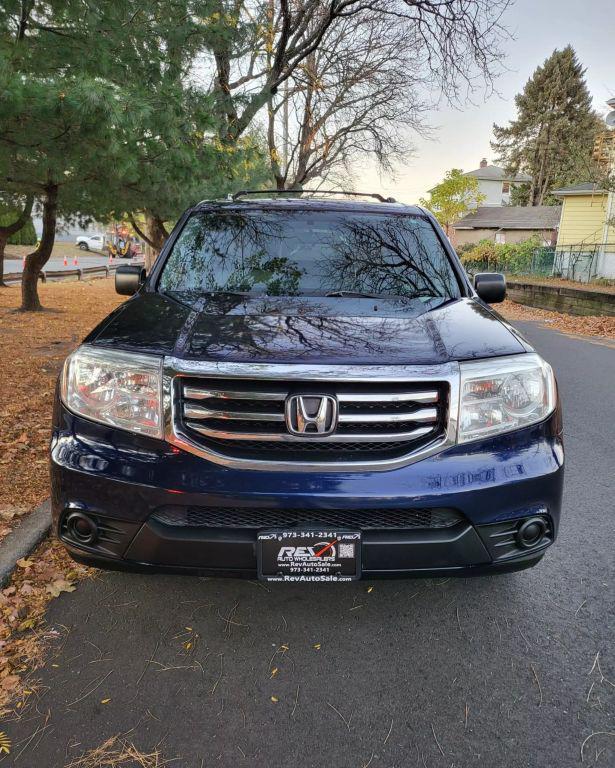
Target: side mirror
<point x="490" y="286"/>
<point x="128" y="279"/>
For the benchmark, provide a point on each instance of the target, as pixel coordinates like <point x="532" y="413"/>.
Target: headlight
<point x="116" y="388"/>
<point x="502" y="394"/>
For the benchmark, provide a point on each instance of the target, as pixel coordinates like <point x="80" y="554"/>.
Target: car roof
<point x="315" y="203"/>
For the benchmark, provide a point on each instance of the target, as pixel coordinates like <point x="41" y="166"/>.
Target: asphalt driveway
<point x="515" y="670"/>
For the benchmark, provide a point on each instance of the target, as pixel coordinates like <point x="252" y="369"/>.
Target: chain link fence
<point x="581" y="263"/>
<point x="576" y="263"/>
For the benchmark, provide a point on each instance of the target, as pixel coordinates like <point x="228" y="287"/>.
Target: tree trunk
<point x="3" y="239"/>
<point x="541" y="184"/>
<point x="36" y="260"/>
<point x="157" y="234"/>
<point x="11" y="229"/>
<point x="154" y="234"/>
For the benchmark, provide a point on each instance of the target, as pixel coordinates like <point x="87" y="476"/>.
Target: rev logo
<point x="322" y="550"/>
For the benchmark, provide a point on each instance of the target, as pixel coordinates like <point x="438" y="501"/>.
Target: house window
<point x="500" y="238"/>
<point x="506" y="187"/>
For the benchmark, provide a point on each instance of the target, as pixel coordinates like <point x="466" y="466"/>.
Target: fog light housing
<point x="81" y="528"/>
<point x="530" y="532"/>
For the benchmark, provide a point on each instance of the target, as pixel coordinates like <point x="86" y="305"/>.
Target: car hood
<point x="308" y="330"/>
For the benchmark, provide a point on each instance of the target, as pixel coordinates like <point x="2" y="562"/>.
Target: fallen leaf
<point x="27" y="624"/>
<point x="9" y="682"/>
<point x="274" y="699"/>
<point x="58" y="586"/>
<point x="5" y="743"/>
<point x="25" y="563"/>
<point x="105" y="701"/>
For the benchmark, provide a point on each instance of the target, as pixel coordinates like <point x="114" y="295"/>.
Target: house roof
<point x="495" y="173"/>
<point x="588" y="188"/>
<point x="539" y="217"/>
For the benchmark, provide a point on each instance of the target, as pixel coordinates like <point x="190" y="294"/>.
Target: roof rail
<point x="246" y="192"/>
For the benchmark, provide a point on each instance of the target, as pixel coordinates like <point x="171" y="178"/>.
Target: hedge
<point x="514" y="258"/>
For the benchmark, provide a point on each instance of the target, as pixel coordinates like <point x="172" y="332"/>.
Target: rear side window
<point x="309" y="253"/>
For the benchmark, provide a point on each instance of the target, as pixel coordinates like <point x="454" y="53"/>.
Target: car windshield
<point x="310" y="253"/>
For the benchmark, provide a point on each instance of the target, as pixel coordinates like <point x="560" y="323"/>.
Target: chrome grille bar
<point x="430" y="396"/>
<point x="200" y="412"/>
<point x="284" y="437"/>
<point x="424" y="414"/>
<point x="198" y="393"/>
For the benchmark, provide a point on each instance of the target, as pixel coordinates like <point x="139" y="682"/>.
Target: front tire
<point x="83" y="247"/>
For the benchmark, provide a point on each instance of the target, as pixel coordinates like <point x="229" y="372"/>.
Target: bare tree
<point x="358" y="94"/>
<point x="264" y="42"/>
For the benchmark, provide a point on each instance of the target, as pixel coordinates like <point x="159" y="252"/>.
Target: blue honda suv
<point x="307" y="389"/>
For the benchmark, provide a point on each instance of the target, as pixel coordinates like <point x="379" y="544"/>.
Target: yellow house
<point x="584" y="231"/>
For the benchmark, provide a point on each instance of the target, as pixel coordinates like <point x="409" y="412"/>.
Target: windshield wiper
<point x="235" y="293"/>
<point x="365" y="295"/>
<point x="444" y="302"/>
<point x="354" y="295"/>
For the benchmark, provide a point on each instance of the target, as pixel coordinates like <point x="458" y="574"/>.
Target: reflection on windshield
<point x="313" y="253"/>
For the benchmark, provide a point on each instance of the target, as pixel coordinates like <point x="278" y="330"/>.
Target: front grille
<point x="246" y="419"/>
<point x="361" y="519"/>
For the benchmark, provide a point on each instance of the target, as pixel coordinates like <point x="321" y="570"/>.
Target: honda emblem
<point x="311" y="415"/>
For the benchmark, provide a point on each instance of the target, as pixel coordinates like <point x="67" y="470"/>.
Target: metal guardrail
<point x="59" y="274"/>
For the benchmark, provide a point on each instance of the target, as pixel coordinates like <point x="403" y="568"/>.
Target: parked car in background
<point x="307" y="390"/>
<point x="90" y="242"/>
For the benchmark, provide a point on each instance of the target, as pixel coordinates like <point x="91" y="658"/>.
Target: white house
<point x="495" y="184"/>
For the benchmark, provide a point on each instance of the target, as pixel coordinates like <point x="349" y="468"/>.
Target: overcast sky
<point x="462" y="136"/>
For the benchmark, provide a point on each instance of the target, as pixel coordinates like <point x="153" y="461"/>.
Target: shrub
<point x="482" y="255"/>
<point x="515" y="258"/>
<point x="465" y="248"/>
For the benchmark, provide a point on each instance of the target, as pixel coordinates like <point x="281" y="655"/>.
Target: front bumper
<point x="120" y="480"/>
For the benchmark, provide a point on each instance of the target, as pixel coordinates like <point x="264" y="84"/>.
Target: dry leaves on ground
<point x="578" y="325"/>
<point x="116" y="752"/>
<point x="33" y="347"/>
<point x="38" y="578"/>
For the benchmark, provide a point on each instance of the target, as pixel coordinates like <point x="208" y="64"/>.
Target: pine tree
<point x="99" y="118"/>
<point x="552" y="136"/>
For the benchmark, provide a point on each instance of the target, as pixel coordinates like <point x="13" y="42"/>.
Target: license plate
<point x="311" y="555"/>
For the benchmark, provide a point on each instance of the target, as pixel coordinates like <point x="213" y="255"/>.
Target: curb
<point x="22" y="539"/>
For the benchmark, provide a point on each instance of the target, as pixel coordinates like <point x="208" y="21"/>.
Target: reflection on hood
<point x="334" y="331"/>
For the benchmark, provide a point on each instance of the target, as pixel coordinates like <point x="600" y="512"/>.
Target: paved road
<point x="495" y="672"/>
<point x="84" y="259"/>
